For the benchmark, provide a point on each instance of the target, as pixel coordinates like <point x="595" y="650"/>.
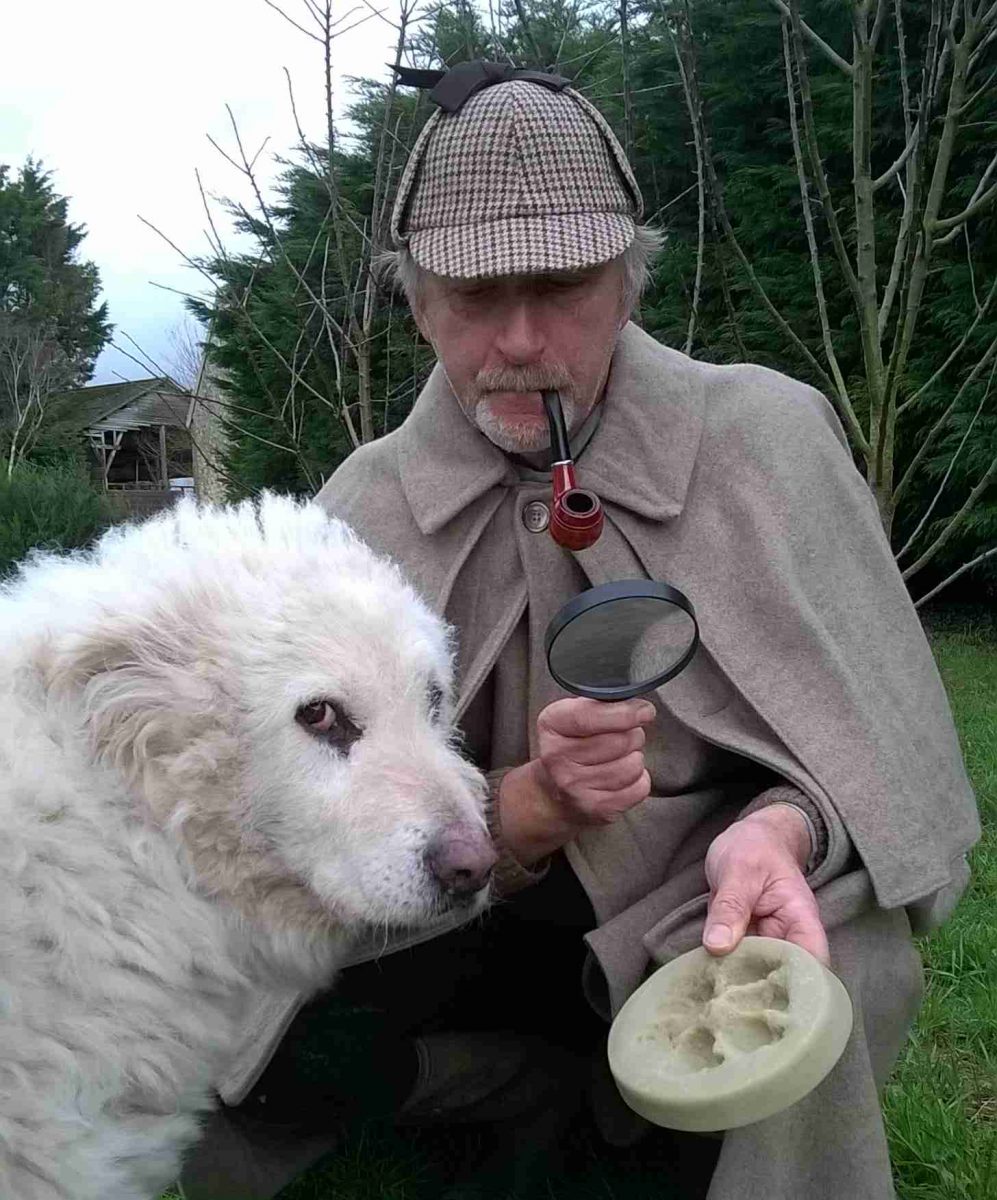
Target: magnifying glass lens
<point x="611" y="645"/>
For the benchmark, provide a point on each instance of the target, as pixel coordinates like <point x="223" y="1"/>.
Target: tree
<point x="301" y="332"/>
<point x="51" y="327"/>
<point x="805" y="144"/>
<point x="33" y="368"/>
<point x="41" y="277"/>
<point x="917" y="82"/>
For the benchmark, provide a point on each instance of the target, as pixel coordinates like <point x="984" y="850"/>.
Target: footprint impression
<point x="712" y="1043"/>
<point x="729" y="1009"/>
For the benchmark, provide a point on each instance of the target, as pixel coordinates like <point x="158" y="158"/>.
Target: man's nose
<point x="520" y="339"/>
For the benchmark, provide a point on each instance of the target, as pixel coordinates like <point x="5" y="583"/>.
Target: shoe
<point x="523" y="1090"/>
<point x="242" y="1158"/>
<point x="458" y="1072"/>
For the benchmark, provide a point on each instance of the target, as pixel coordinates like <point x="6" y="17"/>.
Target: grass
<point x="941" y="1104"/>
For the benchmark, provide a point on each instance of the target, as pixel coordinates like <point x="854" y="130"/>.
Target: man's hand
<point x="589" y="771"/>
<point x="757" y="884"/>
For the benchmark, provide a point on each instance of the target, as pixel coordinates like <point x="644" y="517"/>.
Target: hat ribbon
<point x="453" y="88"/>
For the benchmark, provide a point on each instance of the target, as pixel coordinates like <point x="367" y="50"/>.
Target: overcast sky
<point x="117" y="97"/>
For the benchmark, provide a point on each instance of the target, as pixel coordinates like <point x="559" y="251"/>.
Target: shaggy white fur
<point x="225" y="746"/>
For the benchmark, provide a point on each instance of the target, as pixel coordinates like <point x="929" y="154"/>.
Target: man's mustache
<point x="547" y="378"/>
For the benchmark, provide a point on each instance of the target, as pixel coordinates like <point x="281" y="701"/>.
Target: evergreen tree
<point x="741" y="74"/>
<point x="42" y="279"/>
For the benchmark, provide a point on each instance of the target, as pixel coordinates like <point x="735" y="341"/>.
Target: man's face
<point x="502" y="341"/>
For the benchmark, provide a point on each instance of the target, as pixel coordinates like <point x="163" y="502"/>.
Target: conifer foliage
<point x="826" y="176"/>
<point x="51" y="327"/>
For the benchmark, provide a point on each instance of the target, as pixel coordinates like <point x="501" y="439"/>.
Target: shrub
<point x="50" y="507"/>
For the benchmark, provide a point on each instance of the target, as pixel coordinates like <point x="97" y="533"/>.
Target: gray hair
<point x="399" y="268"/>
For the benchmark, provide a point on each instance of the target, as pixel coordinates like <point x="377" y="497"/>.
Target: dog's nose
<point x="461" y="859"/>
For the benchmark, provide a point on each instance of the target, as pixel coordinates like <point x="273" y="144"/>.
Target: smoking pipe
<point x="576" y="517"/>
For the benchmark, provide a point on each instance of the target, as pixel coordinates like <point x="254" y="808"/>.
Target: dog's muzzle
<point x="460" y="859"/>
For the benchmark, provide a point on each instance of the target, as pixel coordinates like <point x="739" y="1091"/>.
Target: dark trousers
<point x="349" y="1060"/>
<point x="515" y="969"/>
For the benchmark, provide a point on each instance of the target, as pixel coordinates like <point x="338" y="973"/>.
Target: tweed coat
<point x="733" y="483"/>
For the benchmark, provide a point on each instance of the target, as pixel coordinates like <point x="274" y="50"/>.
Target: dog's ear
<point x="149" y="704"/>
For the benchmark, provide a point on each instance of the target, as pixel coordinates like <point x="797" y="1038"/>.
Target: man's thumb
<point x="727" y="918"/>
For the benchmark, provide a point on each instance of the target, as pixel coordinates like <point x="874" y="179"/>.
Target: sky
<point x="117" y="97"/>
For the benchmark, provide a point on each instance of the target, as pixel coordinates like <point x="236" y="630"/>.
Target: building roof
<point x="122" y="406"/>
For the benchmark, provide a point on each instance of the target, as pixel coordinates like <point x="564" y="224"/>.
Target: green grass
<point x="941" y="1104"/>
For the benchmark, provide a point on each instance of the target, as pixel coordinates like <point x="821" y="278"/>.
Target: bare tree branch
<point x="628" y="112"/>
<point x="971" y="210"/>
<point x="695" y="119"/>
<point x="810" y="130"/>
<point x="955" y="575"/>
<point x="981" y="313"/>
<point x="380" y="13"/>
<point x="528" y="30"/>
<point x="801" y="176"/>
<point x="830" y="54"/>
<point x="955" y="523"/>
<point x="33" y="368"/>
<point x="898" y="20"/>
<point x="984" y="87"/>
<point x="888" y="174"/>
<point x="877" y="26"/>
<point x="929" y="439"/>
<point x="948" y="472"/>
<point x="301" y="29"/>
<point x="694" y="103"/>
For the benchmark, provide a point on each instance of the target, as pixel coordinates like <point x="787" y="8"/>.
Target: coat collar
<point x="640" y="457"/>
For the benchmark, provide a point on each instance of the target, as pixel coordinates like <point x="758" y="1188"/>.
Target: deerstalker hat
<point x="516" y="173"/>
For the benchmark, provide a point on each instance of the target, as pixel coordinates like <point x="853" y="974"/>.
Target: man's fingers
<point x="601" y="808"/>
<point x="804" y="929"/>
<point x="578" y="717"/>
<point x="601" y="747"/>
<point x="604" y="777"/>
<point x="731" y="908"/>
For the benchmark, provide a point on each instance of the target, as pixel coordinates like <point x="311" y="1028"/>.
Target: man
<point x="800" y="779"/>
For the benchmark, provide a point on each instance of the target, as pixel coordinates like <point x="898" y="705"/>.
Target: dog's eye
<point x="327" y="720"/>
<point x="319" y="717"/>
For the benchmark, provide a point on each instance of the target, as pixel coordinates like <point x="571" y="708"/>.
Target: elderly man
<point x="801" y="779"/>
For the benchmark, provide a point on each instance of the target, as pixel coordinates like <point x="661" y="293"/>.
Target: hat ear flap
<point x="407" y="185"/>
<point x="617" y="151"/>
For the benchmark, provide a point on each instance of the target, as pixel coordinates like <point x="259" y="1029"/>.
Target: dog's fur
<point x="171" y="837"/>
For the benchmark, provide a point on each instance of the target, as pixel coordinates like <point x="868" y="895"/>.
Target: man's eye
<point x="468" y="295"/>
<point x="326" y="720"/>
<point x="559" y="283"/>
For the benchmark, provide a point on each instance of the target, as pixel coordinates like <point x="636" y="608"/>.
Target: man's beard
<point x="519" y="436"/>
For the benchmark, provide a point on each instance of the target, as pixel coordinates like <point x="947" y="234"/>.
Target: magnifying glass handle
<point x="577" y="517"/>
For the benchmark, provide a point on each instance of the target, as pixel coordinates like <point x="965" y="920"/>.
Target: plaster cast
<point x="713" y="1043"/>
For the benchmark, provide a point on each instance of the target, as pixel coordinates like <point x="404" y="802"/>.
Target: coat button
<point x="536" y="516"/>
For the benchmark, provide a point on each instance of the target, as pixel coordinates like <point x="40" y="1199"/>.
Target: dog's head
<point x="280" y="701"/>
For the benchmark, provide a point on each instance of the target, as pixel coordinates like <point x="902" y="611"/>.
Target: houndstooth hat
<point x="519" y="179"/>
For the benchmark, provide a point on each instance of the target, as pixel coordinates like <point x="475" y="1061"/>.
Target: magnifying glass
<point x="621" y="639"/>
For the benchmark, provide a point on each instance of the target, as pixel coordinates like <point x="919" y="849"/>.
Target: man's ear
<point x="422" y="323"/>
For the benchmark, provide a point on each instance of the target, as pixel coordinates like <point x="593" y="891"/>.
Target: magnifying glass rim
<point x="605" y="593"/>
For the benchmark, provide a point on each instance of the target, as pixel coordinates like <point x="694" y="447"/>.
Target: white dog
<point x="225" y="745"/>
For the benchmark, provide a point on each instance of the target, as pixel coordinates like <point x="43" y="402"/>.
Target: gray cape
<point x="735" y="484"/>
